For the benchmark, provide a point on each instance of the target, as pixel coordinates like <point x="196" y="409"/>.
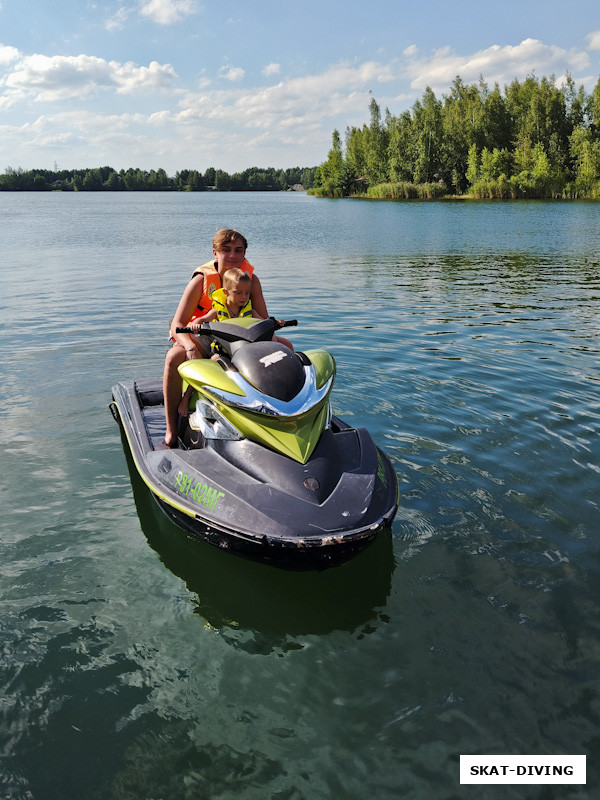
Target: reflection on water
<point x="267" y="608"/>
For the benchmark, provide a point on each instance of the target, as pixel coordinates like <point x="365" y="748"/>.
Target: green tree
<point x="222" y="180"/>
<point x="400" y="155"/>
<point x="592" y="108"/>
<point x="498" y="125"/>
<point x="523" y="154"/>
<point x="502" y="161"/>
<point x="575" y="103"/>
<point x="428" y="130"/>
<point x="376" y="147"/>
<point x="308" y="177"/>
<point x="12" y="179"/>
<point x="195" y="181"/>
<point x="356" y="144"/>
<point x="158" y="181"/>
<point x="541" y="172"/>
<point x="585" y="151"/>
<point x="92" y="181"/>
<point x="39" y="184"/>
<point x="488" y="166"/>
<point x="331" y="170"/>
<point x="463" y="122"/>
<point x="472" y="174"/>
<point x="114" y="182"/>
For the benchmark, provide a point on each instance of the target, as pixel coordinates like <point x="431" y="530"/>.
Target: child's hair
<point x="233" y="277"/>
<point x="226" y="235"/>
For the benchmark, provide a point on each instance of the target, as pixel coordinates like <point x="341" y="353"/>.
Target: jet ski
<point x="263" y="468"/>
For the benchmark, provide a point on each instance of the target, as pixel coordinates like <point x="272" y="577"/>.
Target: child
<point x="233" y="300"/>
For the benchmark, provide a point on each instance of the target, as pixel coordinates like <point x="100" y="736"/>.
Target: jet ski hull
<point x="245" y="498"/>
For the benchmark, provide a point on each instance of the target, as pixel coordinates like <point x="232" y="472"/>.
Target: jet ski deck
<point x="244" y="497"/>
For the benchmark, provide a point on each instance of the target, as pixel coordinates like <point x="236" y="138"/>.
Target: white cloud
<point x="495" y="63"/>
<point x="118" y="20"/>
<point x="167" y="12"/>
<point x="593" y="40"/>
<point x="8" y="55"/>
<point x="160" y="117"/>
<point x="272" y="69"/>
<point x="50" y="78"/>
<point x="87" y="138"/>
<point x="296" y="103"/>
<point x="232" y="73"/>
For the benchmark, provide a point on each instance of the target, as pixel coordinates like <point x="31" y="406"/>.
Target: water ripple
<point x="135" y="662"/>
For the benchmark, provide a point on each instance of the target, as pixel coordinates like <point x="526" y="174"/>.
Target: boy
<point x="232" y="300"/>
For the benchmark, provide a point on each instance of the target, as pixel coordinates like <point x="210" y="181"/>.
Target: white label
<point x="272" y="358"/>
<point x="522" y="769"/>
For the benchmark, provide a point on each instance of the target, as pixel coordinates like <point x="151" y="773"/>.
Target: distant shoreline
<point x="107" y="179"/>
<point x="449" y="198"/>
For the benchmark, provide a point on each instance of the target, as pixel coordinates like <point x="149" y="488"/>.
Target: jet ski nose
<point x="272" y="368"/>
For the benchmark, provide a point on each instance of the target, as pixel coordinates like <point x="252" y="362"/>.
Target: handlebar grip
<point x="289" y="323"/>
<point x="199" y="332"/>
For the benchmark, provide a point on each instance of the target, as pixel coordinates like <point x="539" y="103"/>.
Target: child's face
<point x="237" y="297"/>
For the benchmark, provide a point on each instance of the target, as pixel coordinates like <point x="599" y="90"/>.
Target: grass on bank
<point x="502" y="188"/>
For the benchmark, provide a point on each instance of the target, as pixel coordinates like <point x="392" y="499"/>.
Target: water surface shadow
<point x="232" y="593"/>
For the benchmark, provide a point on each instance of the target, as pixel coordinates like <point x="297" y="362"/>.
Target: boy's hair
<point x="226" y="235"/>
<point x="233" y="277"/>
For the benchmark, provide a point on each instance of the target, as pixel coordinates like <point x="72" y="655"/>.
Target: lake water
<point x="136" y="663"/>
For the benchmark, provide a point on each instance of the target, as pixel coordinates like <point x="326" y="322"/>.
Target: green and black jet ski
<point x="263" y="468"/>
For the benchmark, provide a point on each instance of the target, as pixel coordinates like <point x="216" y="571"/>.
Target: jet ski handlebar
<point x="206" y="330"/>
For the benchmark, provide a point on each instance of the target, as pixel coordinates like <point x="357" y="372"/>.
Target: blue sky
<point x="231" y="84"/>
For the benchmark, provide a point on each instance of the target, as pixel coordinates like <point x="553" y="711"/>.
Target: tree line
<point x="101" y="179"/>
<point x="533" y="139"/>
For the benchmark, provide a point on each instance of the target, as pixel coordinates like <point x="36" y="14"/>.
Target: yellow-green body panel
<point x="324" y="365"/>
<point x="203" y="372"/>
<point x="295" y="437"/>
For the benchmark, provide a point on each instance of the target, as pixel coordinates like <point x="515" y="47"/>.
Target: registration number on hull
<point x="199" y="491"/>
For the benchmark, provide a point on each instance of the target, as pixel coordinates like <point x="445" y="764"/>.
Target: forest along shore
<point x="533" y="139"/>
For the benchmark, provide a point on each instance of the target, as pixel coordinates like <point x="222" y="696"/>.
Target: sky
<point x="233" y="84"/>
